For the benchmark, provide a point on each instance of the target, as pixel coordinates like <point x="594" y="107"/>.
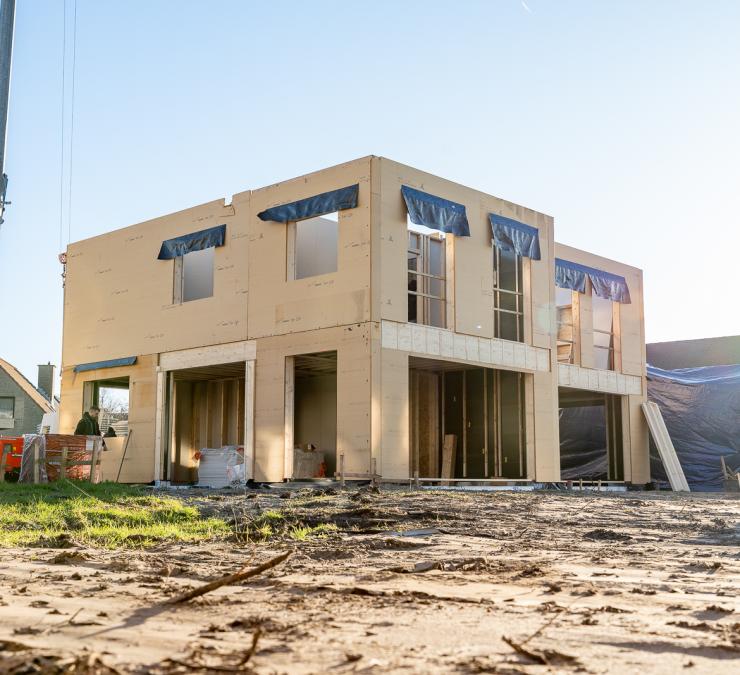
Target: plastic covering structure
<point x="701" y="409"/>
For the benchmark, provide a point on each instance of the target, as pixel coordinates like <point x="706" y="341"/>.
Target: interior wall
<point x="289" y="306"/>
<point x="138" y="465"/>
<point x="316" y="416"/>
<point x="208" y="414"/>
<point x="352" y="344"/>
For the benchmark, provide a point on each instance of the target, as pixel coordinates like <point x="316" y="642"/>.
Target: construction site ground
<point x="424" y="581"/>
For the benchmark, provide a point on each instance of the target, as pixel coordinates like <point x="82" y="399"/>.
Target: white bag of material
<point x="220" y="467"/>
<point x="307" y="463"/>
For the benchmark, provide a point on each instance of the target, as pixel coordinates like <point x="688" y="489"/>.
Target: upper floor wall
<point x="279" y="301"/>
<point x="470" y="269"/>
<point x="590" y="317"/>
<point x="120" y="300"/>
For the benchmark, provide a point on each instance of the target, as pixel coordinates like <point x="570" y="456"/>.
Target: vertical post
<point x="158" y="426"/>
<point x="63" y="464"/>
<point x="289" y="416"/>
<point x="94" y="460"/>
<point x="341" y="471"/>
<point x="36" y="461"/>
<point x="373" y="469"/>
<point x="7" y="21"/>
<point x="249" y="421"/>
<point x="6" y="450"/>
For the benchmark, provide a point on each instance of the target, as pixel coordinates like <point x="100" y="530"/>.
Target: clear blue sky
<point x="621" y="119"/>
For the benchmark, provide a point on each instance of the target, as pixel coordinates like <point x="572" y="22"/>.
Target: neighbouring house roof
<point x="34" y="394"/>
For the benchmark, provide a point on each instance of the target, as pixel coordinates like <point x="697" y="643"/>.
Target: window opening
<point x="312" y="246"/>
<point x="602" y="312"/>
<point x="508" y="295"/>
<point x="566" y="325"/>
<point x="194" y="275"/>
<point x="427" y="274"/>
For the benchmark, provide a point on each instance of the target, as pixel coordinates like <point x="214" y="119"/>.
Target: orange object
<point x="15" y="444"/>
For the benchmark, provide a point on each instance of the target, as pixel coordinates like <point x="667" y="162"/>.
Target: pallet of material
<point x="53" y="457"/>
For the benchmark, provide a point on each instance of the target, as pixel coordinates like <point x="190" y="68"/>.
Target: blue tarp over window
<point x="111" y="363"/>
<point x="195" y="241"/>
<point x="606" y="285"/>
<point x="318" y="205"/>
<point x="435" y="212"/>
<point x="511" y="235"/>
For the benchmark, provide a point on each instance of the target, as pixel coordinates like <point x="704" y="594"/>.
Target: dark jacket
<point x="87" y="426"/>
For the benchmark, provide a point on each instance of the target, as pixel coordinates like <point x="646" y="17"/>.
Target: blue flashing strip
<point x="111" y="363"/>
<point x="318" y="205"/>
<point x="195" y="241"/>
<point x="511" y="235"/>
<point x="436" y="213"/>
<point x="605" y="284"/>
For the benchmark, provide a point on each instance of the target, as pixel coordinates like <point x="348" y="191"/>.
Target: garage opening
<point x="590" y="435"/>
<point x="208" y="412"/>
<point x="315" y="415"/>
<point x="466" y="422"/>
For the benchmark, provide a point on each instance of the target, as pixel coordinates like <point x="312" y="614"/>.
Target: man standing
<point x="88" y="424"/>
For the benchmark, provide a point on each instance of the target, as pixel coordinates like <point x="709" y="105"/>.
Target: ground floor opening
<point x="207" y="413"/>
<point x="590" y="435"/>
<point x="311" y="414"/>
<point x="466" y="422"/>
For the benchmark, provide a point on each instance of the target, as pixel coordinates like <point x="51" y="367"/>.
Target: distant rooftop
<point x="718" y="351"/>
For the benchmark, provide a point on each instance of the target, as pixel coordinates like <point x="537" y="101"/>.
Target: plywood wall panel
<point x="138" y="466"/>
<point x="119" y="297"/>
<point x="280" y="306"/>
<point x="352" y="344"/>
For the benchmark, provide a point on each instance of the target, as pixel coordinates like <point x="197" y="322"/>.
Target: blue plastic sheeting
<point x="326" y="202"/>
<point x="606" y="285"/>
<point x="111" y="363"/>
<point x="436" y="213"/>
<point x="511" y="235"/>
<point x="701" y="409"/>
<point x="195" y="241"/>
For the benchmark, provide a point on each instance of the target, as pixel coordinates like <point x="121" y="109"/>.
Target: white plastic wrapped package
<point x="220" y="467"/>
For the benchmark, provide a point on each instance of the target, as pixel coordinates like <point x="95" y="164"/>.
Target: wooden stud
<point x="63" y="463"/>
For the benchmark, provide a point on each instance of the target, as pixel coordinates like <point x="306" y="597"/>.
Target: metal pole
<point x="7" y="21"/>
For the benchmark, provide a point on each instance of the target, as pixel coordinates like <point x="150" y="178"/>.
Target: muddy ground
<point x="497" y="582"/>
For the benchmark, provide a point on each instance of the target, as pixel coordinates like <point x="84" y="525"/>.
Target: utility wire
<point x="61" y="132"/>
<point x="72" y="122"/>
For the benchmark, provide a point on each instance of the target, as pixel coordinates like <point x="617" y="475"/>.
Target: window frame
<point x="518" y="294"/>
<point x="12" y="410"/>
<point x="612" y="350"/>
<point x="574" y="326"/>
<point x="424" y="278"/>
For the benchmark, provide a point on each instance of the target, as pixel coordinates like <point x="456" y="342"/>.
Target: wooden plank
<point x="249" y="384"/>
<point x="449" y="451"/>
<point x="667" y="452"/>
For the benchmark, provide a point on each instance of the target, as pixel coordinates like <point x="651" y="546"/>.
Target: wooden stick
<point x="241" y="575"/>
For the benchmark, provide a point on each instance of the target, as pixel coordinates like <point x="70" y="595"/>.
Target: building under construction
<point x="382" y="316"/>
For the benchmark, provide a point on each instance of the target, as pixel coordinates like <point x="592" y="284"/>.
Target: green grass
<point x="106" y="515"/>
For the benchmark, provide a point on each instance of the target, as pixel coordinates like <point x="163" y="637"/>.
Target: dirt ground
<point x="410" y="581"/>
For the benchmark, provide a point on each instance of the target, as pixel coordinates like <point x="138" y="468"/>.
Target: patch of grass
<point x="107" y="515"/>
<point x="303" y="532"/>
